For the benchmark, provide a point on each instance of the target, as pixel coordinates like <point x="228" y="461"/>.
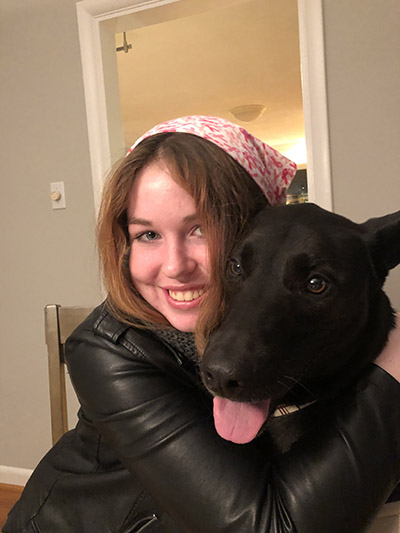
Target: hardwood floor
<point x="9" y="494"/>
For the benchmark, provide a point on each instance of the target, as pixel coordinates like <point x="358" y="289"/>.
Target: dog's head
<point x="306" y="309"/>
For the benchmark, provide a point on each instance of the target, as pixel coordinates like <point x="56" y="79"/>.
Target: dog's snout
<point x="222" y="382"/>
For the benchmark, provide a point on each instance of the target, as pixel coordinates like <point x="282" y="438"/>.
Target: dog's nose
<point x="222" y="382"/>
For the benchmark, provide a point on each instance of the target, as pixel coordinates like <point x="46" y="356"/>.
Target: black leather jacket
<point x="145" y="457"/>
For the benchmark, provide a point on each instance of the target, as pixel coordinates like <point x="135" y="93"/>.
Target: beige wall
<point x="46" y="256"/>
<point x="49" y="256"/>
<point x="363" y="71"/>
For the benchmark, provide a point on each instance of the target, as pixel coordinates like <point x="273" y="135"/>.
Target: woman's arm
<point x="351" y="467"/>
<point x="163" y="432"/>
<point x="389" y="359"/>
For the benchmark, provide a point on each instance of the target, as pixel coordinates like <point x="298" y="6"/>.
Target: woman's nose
<point x="178" y="262"/>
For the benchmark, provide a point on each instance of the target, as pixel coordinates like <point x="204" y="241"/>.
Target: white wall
<point x="363" y="71"/>
<point x="46" y="256"/>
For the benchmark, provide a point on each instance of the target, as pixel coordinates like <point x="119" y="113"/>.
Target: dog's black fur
<point x="306" y="311"/>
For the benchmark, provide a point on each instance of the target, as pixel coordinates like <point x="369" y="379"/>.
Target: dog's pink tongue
<point x="237" y="421"/>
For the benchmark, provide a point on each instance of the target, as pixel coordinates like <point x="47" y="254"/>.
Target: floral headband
<point x="272" y="171"/>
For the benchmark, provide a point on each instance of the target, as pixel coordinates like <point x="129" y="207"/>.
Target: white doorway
<point x="233" y="45"/>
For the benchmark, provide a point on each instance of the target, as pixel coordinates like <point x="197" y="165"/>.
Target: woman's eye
<point x="198" y="231"/>
<point x="316" y="285"/>
<point x="235" y="267"/>
<point x="147" y="236"/>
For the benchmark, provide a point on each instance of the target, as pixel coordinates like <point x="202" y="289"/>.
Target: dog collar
<point x="289" y="409"/>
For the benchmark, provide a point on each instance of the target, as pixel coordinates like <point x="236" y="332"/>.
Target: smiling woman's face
<point x="168" y="261"/>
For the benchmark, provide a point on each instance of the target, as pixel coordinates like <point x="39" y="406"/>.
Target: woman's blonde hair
<point x="226" y="198"/>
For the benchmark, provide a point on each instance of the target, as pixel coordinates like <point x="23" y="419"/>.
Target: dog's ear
<point x="383" y="239"/>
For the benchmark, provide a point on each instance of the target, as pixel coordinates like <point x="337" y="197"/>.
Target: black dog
<point x="306" y="314"/>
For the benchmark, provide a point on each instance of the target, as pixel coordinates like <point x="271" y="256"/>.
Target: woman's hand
<point x="389" y="359"/>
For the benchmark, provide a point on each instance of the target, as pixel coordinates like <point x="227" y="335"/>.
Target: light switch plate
<point x="57" y="195"/>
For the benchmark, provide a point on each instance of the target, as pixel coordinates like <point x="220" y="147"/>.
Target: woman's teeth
<point x="185" y="296"/>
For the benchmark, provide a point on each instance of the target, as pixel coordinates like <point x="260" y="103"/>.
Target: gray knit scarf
<point x="182" y="342"/>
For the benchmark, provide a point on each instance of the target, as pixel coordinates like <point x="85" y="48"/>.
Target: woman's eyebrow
<point x="191" y="218"/>
<point x="144" y="222"/>
<point x="139" y="221"/>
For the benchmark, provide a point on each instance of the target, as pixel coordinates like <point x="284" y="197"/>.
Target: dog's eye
<point x="316" y="285"/>
<point x="234" y="267"/>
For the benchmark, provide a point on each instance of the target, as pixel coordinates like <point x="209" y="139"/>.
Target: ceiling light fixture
<point x="248" y="112"/>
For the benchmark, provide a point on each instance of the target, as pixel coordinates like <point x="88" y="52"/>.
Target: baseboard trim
<point x="14" y="476"/>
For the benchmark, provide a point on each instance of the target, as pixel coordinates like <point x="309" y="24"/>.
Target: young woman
<point x="145" y="456"/>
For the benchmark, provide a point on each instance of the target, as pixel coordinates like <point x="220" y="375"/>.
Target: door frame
<point x="97" y="27"/>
